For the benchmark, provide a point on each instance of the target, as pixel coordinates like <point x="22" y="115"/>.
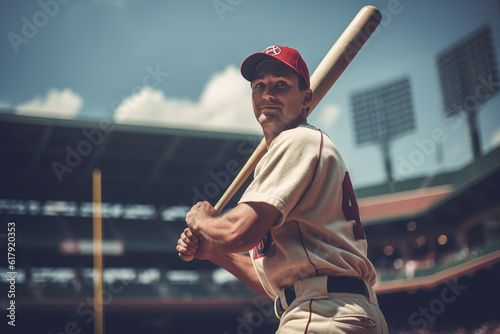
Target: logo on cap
<point x="272" y="50"/>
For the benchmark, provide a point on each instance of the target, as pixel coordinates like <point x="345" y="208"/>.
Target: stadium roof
<point x="53" y="159"/>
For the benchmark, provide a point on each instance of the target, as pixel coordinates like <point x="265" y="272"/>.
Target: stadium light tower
<point x="468" y="75"/>
<point x="381" y="114"/>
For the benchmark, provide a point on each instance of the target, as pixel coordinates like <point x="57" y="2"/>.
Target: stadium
<point x="436" y="249"/>
<point x="116" y="117"/>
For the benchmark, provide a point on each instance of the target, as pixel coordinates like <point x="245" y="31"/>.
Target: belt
<point x="334" y="284"/>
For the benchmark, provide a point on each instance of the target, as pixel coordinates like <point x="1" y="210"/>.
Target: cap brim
<point x="250" y="64"/>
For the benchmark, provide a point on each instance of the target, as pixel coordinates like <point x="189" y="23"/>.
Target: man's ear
<point x="307" y="98"/>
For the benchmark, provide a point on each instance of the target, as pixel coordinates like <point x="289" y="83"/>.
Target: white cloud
<point x="328" y="115"/>
<point x="57" y="103"/>
<point x="224" y="105"/>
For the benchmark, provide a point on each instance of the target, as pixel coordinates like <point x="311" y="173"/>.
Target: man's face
<point x="276" y="98"/>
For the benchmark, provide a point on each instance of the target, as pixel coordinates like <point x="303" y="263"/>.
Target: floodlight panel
<point x="383" y="112"/>
<point x="464" y="67"/>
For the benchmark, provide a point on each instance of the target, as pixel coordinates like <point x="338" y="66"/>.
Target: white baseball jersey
<point x="319" y="232"/>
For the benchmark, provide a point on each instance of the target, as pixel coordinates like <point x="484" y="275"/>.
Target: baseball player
<point x="298" y="218"/>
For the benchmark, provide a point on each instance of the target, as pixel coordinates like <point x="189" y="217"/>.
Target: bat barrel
<point x="343" y="52"/>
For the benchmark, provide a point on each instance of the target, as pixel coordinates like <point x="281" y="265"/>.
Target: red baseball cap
<point x="286" y="55"/>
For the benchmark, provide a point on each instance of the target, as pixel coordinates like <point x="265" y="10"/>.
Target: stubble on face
<point x="276" y="98"/>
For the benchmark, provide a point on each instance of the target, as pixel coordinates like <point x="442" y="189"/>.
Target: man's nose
<point x="269" y="93"/>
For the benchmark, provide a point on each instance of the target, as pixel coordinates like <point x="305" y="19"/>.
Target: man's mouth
<point x="269" y="108"/>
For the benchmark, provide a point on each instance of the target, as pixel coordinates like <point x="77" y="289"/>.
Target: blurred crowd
<point x="407" y="266"/>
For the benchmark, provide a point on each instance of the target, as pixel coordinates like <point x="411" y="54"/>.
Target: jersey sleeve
<point x="285" y="172"/>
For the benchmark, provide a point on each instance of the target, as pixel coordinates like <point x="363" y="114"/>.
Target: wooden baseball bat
<point x="326" y="74"/>
<point x="323" y="78"/>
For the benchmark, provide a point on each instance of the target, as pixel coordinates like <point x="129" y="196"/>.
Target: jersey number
<point x="350" y="207"/>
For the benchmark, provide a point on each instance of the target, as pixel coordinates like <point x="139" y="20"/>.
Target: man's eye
<point x="281" y="84"/>
<point x="258" y="85"/>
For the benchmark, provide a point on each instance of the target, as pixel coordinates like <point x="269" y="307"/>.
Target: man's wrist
<point x="197" y="227"/>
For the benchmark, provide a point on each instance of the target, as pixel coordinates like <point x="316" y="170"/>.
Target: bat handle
<point x="240" y="179"/>
<point x="245" y="172"/>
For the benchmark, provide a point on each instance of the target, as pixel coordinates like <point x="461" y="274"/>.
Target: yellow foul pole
<point x="97" y="228"/>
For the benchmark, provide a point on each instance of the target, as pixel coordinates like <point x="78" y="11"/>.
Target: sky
<point x="176" y="64"/>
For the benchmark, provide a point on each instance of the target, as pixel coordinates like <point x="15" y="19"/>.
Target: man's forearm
<point x="240" y="266"/>
<point x="220" y="231"/>
<point x="239" y="230"/>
